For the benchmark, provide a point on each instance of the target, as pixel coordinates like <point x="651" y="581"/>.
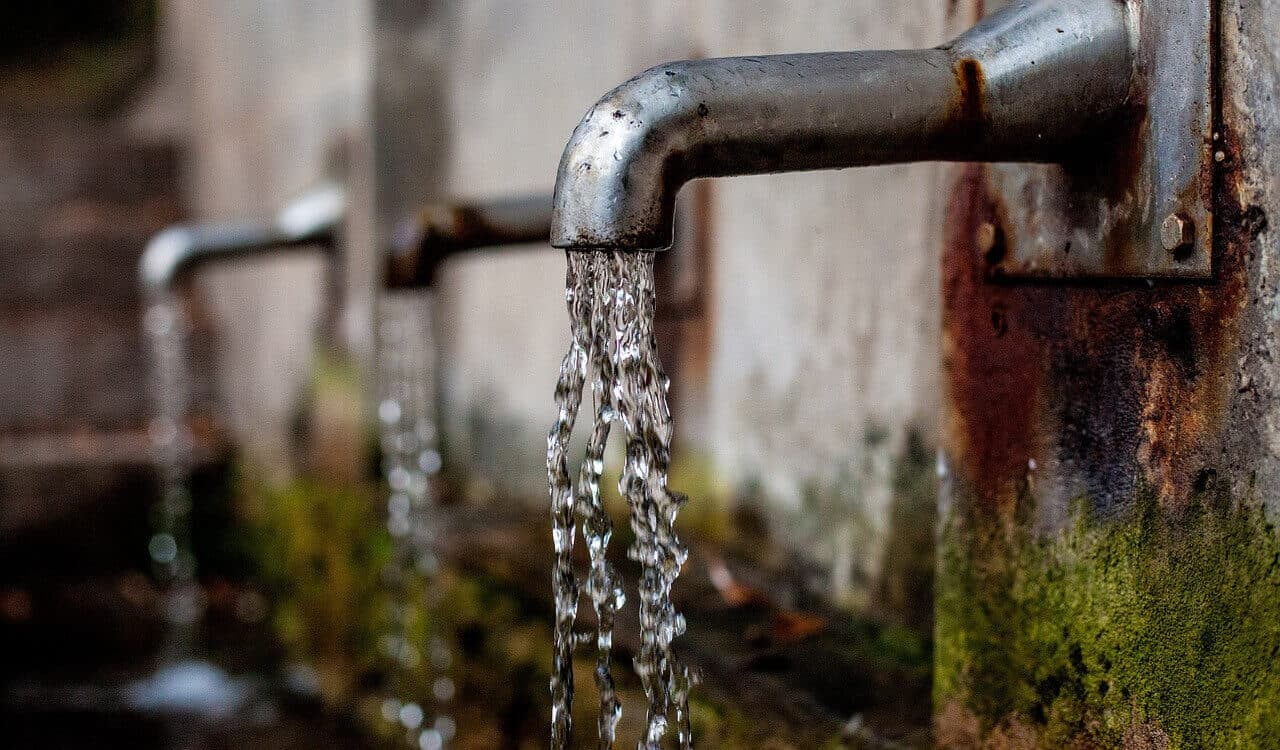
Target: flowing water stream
<point x="611" y="301"/>
<point x="165" y="325"/>
<point x="417" y="655"/>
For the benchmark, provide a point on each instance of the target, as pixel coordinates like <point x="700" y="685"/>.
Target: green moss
<point x="1168" y="620"/>
<point x="322" y="550"/>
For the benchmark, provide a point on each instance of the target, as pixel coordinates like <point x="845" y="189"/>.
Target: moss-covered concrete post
<point x="1109" y="567"/>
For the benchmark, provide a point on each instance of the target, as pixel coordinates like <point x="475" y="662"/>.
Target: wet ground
<point x="780" y="667"/>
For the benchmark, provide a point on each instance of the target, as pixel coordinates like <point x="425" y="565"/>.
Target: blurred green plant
<point x="321" y="548"/>
<point x="707" y="516"/>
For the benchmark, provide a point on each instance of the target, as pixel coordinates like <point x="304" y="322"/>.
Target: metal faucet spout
<point x="313" y="220"/>
<point x="1028" y="84"/>
<point x="440" y="230"/>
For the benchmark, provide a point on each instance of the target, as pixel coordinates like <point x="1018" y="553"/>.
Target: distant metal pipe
<point x="440" y="230"/>
<point x="1030" y="83"/>
<point x="313" y="220"/>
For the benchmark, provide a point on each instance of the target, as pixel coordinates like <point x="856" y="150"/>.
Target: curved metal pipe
<point x="314" y="219"/>
<point x="440" y="230"/>
<point x="1030" y="83"/>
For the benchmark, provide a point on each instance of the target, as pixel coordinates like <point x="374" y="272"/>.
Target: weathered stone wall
<point x="822" y="290"/>
<point x="1109" y="554"/>
<point x="78" y="199"/>
<point x="271" y="99"/>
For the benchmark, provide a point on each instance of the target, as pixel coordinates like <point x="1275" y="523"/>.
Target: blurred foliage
<point x="707" y="516"/>
<point x="321" y="549"/>
<point x="74" y="56"/>
<point x="333" y="436"/>
<point x="906" y="578"/>
<point x="328" y="564"/>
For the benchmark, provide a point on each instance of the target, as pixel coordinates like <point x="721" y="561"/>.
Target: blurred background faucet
<point x="438" y="231"/>
<point x="312" y="221"/>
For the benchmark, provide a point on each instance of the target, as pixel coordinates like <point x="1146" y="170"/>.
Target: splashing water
<point x="612" y="304"/>
<point x="165" y="325"/>
<point x="641" y="403"/>
<point x="573" y="374"/>
<point x="410" y="463"/>
<point x="603" y="582"/>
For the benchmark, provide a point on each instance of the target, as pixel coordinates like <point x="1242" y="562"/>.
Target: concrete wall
<point x="824" y="293"/>
<point x="822" y="296"/>
<point x="1109" y="553"/>
<point x="271" y="98"/>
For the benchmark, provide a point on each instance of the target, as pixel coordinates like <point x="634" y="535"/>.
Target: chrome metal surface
<point x="1082" y="102"/>
<point x="440" y="230"/>
<point x="995" y="94"/>
<point x="1102" y="213"/>
<point x="313" y="220"/>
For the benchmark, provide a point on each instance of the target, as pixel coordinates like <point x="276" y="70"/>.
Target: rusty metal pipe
<point x="440" y="230"/>
<point x="1030" y="83"/>
<point x="313" y="220"/>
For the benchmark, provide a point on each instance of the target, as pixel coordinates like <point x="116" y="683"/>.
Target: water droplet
<point x="443" y="689"/>
<point x="447" y="728"/>
<point x="429" y="461"/>
<point x="163" y="548"/>
<point x="411" y="715"/>
<point x="389" y="411"/>
<point x="430" y="739"/>
<point x="390" y="709"/>
<point x="398" y="526"/>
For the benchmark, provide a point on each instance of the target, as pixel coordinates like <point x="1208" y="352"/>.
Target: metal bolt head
<point x="1177" y="233"/>
<point x="985" y="237"/>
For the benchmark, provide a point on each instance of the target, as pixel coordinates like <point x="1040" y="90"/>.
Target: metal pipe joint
<point x="440" y="230"/>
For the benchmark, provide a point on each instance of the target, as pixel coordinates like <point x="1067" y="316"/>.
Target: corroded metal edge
<point x="1101" y="215"/>
<point x="437" y="231"/>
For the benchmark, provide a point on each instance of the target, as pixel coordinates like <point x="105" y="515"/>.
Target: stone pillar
<point x="1109" y="569"/>
<point x="275" y="100"/>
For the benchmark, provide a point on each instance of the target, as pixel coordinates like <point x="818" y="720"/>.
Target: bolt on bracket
<point x="1140" y="205"/>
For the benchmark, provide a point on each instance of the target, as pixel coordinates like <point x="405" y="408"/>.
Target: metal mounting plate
<point x="1102" y="217"/>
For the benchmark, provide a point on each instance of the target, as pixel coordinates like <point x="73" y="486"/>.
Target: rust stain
<point x="683" y="277"/>
<point x="439" y="231"/>
<point x="420" y="245"/>
<point x="971" y="83"/>
<point x="698" y="329"/>
<point x="967" y="119"/>
<point x="1120" y="382"/>
<point x="992" y="371"/>
<point x="1115" y="173"/>
<point x="405" y="267"/>
<point x="978" y="10"/>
